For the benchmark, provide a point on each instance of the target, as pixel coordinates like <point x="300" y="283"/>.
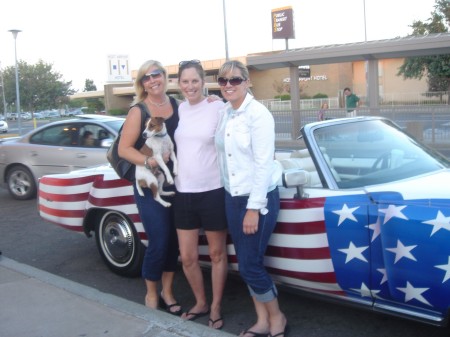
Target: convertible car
<point x="364" y="218"/>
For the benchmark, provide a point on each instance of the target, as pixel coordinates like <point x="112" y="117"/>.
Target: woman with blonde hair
<point x="245" y="141"/>
<point x="161" y="256"/>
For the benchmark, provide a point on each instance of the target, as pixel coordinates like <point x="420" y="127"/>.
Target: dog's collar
<point x="161" y="134"/>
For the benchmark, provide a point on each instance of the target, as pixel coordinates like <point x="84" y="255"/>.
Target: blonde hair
<point x="230" y="65"/>
<point x="138" y="87"/>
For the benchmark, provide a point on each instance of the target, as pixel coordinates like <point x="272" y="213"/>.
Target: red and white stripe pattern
<point x="298" y="254"/>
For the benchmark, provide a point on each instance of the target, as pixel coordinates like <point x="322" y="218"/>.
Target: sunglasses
<point x="185" y="63"/>
<point x="154" y="74"/>
<point x="233" y="81"/>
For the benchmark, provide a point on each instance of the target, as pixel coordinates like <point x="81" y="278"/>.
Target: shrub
<point x="320" y="95"/>
<point x="284" y="97"/>
<point x="117" y="112"/>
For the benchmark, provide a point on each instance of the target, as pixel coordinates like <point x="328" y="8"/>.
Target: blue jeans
<point x="162" y="250"/>
<point x="250" y="248"/>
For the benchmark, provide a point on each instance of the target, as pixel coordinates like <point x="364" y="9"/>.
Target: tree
<point x="93" y="104"/>
<point x="437" y="67"/>
<point x="40" y="87"/>
<point x="89" y="85"/>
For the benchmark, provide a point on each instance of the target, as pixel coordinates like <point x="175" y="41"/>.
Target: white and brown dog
<point x="160" y="143"/>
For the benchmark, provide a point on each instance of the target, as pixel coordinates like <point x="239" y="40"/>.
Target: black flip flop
<point x="168" y="307"/>
<point x="255" y="334"/>
<point x="214" y="322"/>
<point x="195" y="315"/>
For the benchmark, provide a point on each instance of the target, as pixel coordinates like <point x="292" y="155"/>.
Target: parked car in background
<point x="3" y="126"/>
<point x="26" y="116"/>
<point x="53" y="148"/>
<point x="77" y="111"/>
<point x="364" y="219"/>
<point x="38" y="115"/>
<point x="11" y="115"/>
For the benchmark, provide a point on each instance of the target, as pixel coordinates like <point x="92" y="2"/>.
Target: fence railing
<point x="428" y="123"/>
<point x="395" y="99"/>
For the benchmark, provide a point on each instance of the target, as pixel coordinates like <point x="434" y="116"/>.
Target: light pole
<point x="3" y="93"/>
<point x="225" y="30"/>
<point x="14" y="33"/>
<point x="365" y="30"/>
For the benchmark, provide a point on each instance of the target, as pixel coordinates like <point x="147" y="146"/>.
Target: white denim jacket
<point x="245" y="141"/>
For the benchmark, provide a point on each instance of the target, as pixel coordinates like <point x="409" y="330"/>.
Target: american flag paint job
<point x="373" y="247"/>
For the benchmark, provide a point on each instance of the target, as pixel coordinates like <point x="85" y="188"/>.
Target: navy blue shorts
<point x="200" y="210"/>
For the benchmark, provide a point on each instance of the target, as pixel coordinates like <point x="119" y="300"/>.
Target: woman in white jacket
<point x="245" y="141"/>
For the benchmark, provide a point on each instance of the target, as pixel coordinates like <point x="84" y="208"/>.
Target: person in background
<point x="245" y="141"/>
<point x="88" y="138"/>
<point x="200" y="199"/>
<point x="351" y="102"/>
<point x="161" y="256"/>
<point x="323" y="109"/>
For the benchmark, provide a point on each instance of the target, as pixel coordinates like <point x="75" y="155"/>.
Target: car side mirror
<point x="106" y="143"/>
<point x="297" y="178"/>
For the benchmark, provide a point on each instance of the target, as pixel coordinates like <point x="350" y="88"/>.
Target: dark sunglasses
<point x="233" y="81"/>
<point x="154" y="74"/>
<point x="185" y="63"/>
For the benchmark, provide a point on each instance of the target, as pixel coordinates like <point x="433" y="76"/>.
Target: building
<point x="369" y="68"/>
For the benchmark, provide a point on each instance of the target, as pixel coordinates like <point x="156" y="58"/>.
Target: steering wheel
<point x="383" y="159"/>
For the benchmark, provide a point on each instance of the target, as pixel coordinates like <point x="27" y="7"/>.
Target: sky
<point x="77" y="37"/>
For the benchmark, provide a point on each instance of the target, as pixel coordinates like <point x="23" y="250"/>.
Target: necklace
<point x="158" y="104"/>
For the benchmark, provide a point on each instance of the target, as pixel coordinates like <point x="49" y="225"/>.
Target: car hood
<point x="422" y="189"/>
<point x="8" y="139"/>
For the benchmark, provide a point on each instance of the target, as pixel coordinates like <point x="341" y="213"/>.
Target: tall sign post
<point x="283" y="24"/>
<point x="118" y="68"/>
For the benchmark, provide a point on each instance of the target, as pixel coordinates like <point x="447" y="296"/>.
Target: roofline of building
<point x="404" y="47"/>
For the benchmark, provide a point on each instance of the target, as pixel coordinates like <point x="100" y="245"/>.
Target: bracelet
<point x="146" y="163"/>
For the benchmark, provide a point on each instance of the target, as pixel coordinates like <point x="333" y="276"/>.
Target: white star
<point x="402" y="251"/>
<point x="445" y="267"/>
<point x="365" y="291"/>
<point x="346" y="213"/>
<point x="393" y="211"/>
<point x="376" y="229"/>
<point x="440" y="222"/>
<point x="414" y="293"/>
<point x="383" y="271"/>
<point x="354" y="252"/>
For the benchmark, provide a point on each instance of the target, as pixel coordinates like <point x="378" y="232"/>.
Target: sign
<point x="304" y="72"/>
<point x="118" y="68"/>
<point x="283" y="23"/>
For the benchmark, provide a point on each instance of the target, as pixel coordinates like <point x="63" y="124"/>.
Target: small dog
<point x="159" y="141"/>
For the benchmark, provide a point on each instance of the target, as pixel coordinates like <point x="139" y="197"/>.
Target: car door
<point x="322" y="243"/>
<point x="58" y="149"/>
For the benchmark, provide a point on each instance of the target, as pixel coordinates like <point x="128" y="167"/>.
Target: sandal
<point x="255" y="334"/>
<point x="168" y="307"/>
<point x="281" y="334"/>
<point x="211" y="323"/>
<point x="195" y="315"/>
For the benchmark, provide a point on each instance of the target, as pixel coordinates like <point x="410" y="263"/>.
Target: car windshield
<point x="370" y="152"/>
<point x="115" y="124"/>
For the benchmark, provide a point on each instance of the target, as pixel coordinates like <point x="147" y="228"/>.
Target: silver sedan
<point x="58" y="147"/>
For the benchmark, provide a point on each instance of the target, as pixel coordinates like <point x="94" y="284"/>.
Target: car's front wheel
<point x="21" y="183"/>
<point x="119" y="245"/>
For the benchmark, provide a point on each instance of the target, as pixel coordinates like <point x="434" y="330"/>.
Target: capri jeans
<point x="250" y="248"/>
<point x="162" y="251"/>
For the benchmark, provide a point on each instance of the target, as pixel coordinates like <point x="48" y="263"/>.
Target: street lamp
<point x="3" y="93"/>
<point x="225" y="30"/>
<point x="14" y="33"/>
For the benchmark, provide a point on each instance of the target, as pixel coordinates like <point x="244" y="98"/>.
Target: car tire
<point x="119" y="245"/>
<point x="21" y="183"/>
